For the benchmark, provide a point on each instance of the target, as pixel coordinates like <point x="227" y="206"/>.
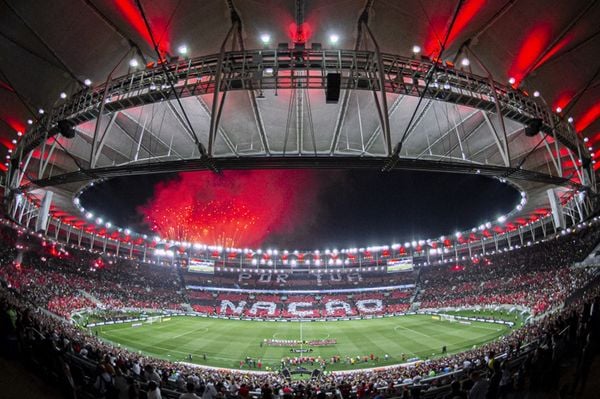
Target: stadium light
<point x="334" y="38"/>
<point x="133" y="63"/>
<point x="63" y="95"/>
<point x="501" y="219"/>
<point x="465" y="62"/>
<point x="29" y="122"/>
<point x="182" y="50"/>
<point x="87" y="82"/>
<point x="416" y="49"/>
<point x="512" y="80"/>
<point x="265" y="38"/>
<point x="41" y="111"/>
<point x="536" y="93"/>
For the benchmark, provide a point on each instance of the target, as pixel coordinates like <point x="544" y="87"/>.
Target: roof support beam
<point x="218" y="103"/>
<point x="101" y="110"/>
<point x="153" y="134"/>
<point x="371" y="140"/>
<point x="446" y="133"/>
<point x="395" y="156"/>
<point x="555" y="159"/>
<point x="487" y="147"/>
<point x="501" y="143"/>
<point x="115" y="28"/>
<point x="504" y="142"/>
<point x="236" y="24"/>
<point x="98" y="150"/>
<point x="221" y="131"/>
<point x="364" y="16"/>
<point x="461" y="139"/>
<point x="45" y="158"/>
<point x="383" y="108"/>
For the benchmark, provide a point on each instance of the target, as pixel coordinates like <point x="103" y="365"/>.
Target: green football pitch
<point x="227" y="342"/>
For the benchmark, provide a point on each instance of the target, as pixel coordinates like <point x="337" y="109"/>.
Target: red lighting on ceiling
<point x="158" y="24"/>
<point x="6" y="86"/>
<point x="299" y="34"/>
<point x="439" y="25"/>
<point x="564" y="98"/>
<point x="534" y="44"/>
<point x="553" y="51"/>
<point x="589" y="116"/>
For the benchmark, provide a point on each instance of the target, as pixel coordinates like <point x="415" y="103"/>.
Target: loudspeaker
<point x="533" y="127"/>
<point x="236" y="84"/>
<point x="332" y="91"/>
<point x="65" y="128"/>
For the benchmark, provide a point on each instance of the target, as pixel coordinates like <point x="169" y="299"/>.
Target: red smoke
<point x="231" y="209"/>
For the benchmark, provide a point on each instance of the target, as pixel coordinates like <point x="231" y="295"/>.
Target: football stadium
<point x="299" y="199"/>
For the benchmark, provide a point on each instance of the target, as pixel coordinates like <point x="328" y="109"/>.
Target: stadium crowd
<point x="120" y="373"/>
<point x="55" y="283"/>
<point x="286" y="277"/>
<point x="537" y="277"/>
<point x="65" y="281"/>
<point x="309" y="307"/>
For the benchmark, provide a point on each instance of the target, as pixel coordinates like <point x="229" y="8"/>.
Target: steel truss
<point x="301" y="69"/>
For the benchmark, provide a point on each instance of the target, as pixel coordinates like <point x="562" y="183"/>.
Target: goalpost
<point x="154" y="319"/>
<point x="447" y="317"/>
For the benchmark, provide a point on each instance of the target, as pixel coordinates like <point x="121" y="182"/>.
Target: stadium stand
<point x="286" y="278"/>
<point x="538" y="277"/>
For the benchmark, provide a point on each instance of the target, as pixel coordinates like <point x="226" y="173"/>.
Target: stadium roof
<point x="438" y="118"/>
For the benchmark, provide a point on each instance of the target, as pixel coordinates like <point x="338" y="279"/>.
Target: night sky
<point x="341" y="208"/>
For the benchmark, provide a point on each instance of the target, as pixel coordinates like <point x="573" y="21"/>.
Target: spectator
<point x="480" y="386"/>
<point x="153" y="391"/>
<point x="190" y="394"/>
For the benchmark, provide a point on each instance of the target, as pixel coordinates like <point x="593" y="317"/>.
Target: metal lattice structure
<point x="266" y="109"/>
<point x="486" y="130"/>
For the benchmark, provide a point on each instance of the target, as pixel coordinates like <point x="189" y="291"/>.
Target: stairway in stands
<point x="414" y="305"/>
<point x="90" y="297"/>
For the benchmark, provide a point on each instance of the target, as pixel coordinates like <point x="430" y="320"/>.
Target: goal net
<point x="447" y="317"/>
<point x="153" y="319"/>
